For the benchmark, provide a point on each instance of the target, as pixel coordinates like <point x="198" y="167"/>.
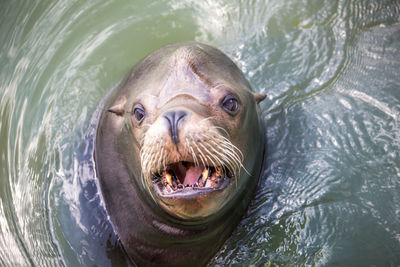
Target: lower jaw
<point x="195" y="205"/>
<point x="191" y="191"/>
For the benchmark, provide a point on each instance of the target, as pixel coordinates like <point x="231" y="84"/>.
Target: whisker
<point x="161" y="156"/>
<point x="196" y="163"/>
<point x="220" y="128"/>
<point x="206" y="119"/>
<point x="221" y="162"/>
<point x="201" y="155"/>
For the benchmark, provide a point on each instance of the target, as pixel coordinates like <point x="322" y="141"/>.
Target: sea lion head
<point x="189" y="130"/>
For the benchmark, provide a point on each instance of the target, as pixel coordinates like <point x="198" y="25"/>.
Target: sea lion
<point x="178" y="152"/>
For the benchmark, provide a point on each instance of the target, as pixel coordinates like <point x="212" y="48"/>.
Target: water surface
<point x="330" y="192"/>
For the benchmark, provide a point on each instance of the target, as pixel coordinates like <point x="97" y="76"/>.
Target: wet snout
<point x="175" y="119"/>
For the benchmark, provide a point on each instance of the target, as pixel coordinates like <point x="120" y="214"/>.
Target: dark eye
<point x="139" y="113"/>
<point x="231" y="105"/>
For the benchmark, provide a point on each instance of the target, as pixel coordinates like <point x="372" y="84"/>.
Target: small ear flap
<point x="118" y="108"/>
<point x="259" y="97"/>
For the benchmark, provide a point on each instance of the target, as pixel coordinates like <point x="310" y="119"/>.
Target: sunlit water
<point x="330" y="192"/>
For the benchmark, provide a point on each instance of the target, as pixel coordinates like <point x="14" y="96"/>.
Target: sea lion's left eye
<point x="230" y="104"/>
<point x="139" y="113"/>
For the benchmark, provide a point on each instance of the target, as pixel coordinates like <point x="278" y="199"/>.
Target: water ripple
<point x="329" y="191"/>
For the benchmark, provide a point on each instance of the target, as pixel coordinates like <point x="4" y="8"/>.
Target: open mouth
<point x="187" y="178"/>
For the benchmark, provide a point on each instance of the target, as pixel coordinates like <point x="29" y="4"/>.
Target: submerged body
<point x="178" y="152"/>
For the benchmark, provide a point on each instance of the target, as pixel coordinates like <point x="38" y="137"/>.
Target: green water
<point x="330" y="193"/>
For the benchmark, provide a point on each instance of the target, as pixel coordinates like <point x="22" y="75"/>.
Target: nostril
<point x="175" y="119"/>
<point x="180" y="115"/>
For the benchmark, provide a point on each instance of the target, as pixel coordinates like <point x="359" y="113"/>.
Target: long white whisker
<point x="237" y="161"/>
<point x="234" y="147"/>
<point x="206" y="119"/>
<point x="161" y="156"/>
<point x="201" y="155"/>
<point x="215" y="157"/>
<point x="220" y="128"/>
<point x="196" y="163"/>
<point x="228" y="150"/>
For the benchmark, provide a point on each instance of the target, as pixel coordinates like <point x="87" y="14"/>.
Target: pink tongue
<point x="192" y="174"/>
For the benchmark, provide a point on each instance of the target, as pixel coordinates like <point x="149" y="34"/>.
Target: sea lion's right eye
<point x="139" y="113"/>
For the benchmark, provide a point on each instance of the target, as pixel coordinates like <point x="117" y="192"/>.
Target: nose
<point x="175" y="119"/>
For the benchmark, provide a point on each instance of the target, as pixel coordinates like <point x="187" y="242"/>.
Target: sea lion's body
<point x="142" y="136"/>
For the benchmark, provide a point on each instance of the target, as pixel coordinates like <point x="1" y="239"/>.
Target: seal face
<point x="178" y="153"/>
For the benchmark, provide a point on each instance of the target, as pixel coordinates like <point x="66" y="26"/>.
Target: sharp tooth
<point x="169" y="178"/>
<point x="205" y="175"/>
<point x="199" y="183"/>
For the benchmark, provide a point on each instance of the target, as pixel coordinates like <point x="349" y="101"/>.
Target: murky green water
<point x="330" y="193"/>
